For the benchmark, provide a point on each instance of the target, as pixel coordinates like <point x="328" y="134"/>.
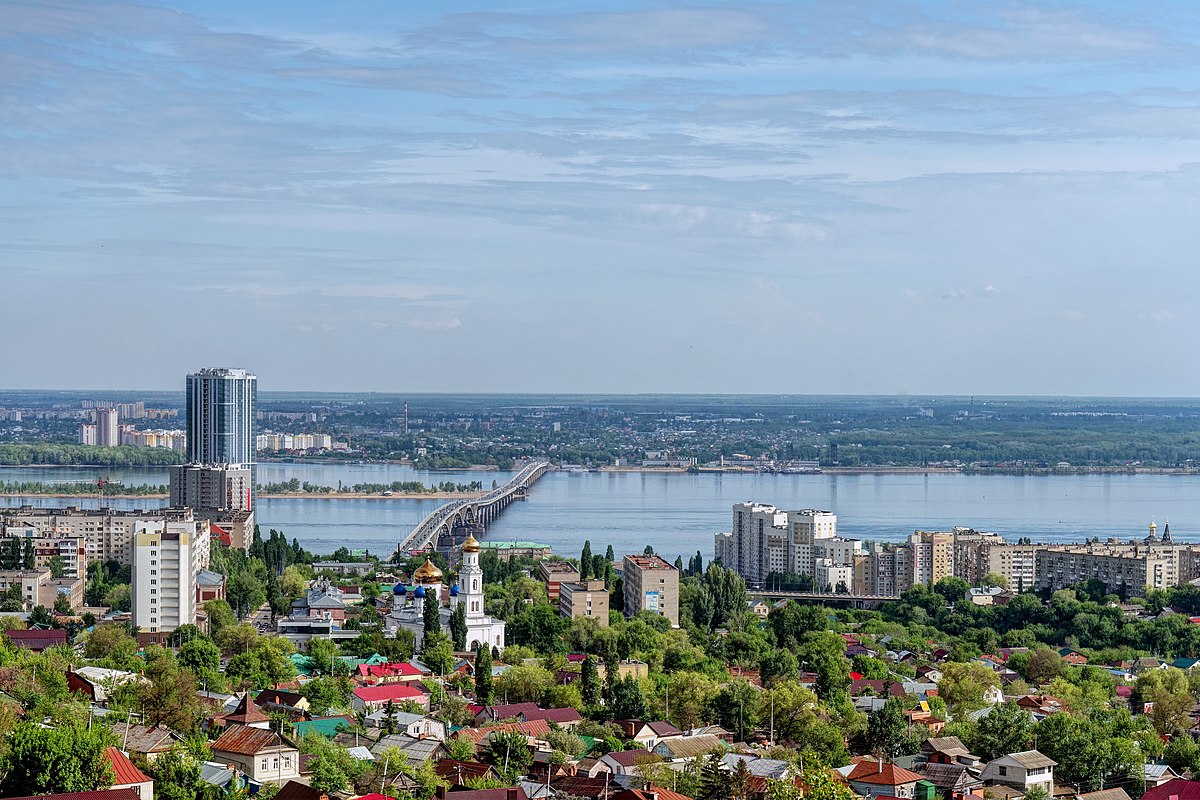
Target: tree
<point x="963" y="685"/>
<point x="245" y="593"/>
<point x="887" y="732"/>
<point x="69" y="758"/>
<point x="1007" y="728"/>
<point x="220" y="615"/>
<point x="200" y="655"/>
<point x="27" y="560"/>
<point x="113" y="644"/>
<point x="58" y="567"/>
<point x="524" y="683"/>
<point x="327" y="776"/>
<point x="589" y="682"/>
<point x="485" y="684"/>
<point x="431" y="618"/>
<point x="177" y="777"/>
<point x="585" y="561"/>
<point x="715" y="782"/>
<point x="1044" y="665"/>
<point x="458" y="626"/>
<point x="628" y="701"/>
<point x="437" y="654"/>
<point x="1168" y="690"/>
<point x="540" y="627"/>
<point x="509" y="754"/>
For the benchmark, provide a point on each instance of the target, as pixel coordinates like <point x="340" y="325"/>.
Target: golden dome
<point x="427" y="573"/>
<point x="471" y="545"/>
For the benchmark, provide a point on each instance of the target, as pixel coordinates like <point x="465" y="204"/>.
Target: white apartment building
<point x="166" y="558"/>
<point x="830" y="576"/>
<point x="765" y="539"/>
<point x="808" y="528"/>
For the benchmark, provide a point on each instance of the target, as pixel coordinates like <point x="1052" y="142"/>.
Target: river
<point x="679" y="514"/>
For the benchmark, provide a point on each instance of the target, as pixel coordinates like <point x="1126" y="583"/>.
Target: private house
<point x="648" y="734"/>
<point x="1105" y="794"/>
<point x="373" y="698"/>
<point x="246" y="714"/>
<point x="681" y="748"/>
<point x="37" y="640"/>
<point x="292" y="704"/>
<point x="565" y="718"/>
<point x="128" y="776"/>
<point x="947" y="750"/>
<point x="263" y="755"/>
<point x="401" y="672"/>
<point x="951" y="780"/>
<point x="874" y="779"/>
<point x="417" y="726"/>
<point x="1158" y="774"/>
<point x="1022" y="771"/>
<point x="148" y="742"/>
<point x="1178" y="789"/>
<point x="98" y="682"/>
<point x="622" y="762"/>
<point x="485" y="714"/>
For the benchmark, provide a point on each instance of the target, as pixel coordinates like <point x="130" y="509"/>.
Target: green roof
<point x="327" y="727"/>
<point x="302" y="663"/>
<point x="514" y="545"/>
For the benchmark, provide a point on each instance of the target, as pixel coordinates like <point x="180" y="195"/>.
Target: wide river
<point x="679" y="514"/>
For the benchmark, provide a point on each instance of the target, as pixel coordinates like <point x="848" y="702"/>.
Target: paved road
<point x="261" y="619"/>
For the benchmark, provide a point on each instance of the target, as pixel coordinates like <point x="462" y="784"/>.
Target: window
<point x="264" y="764"/>
<point x="1003" y="770"/>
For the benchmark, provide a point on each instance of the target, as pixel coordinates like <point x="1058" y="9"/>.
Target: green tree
<point x="58" y="567"/>
<point x="540" y="627"/>
<point x="585" y="561"/>
<point x="177" y="777"/>
<point x="509" y="754"/>
<point x="430" y="614"/>
<point x="1007" y="728"/>
<point x="458" y="626"/>
<point x="200" y="655"/>
<point x="69" y="758"/>
<point x="715" y="783"/>
<point x="628" y="700"/>
<point x="887" y="731"/>
<point x="963" y="686"/>
<point x="589" y="682"/>
<point x="437" y="654"/>
<point x="485" y="685"/>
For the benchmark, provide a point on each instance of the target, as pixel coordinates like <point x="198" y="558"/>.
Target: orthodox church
<point x="408" y="603"/>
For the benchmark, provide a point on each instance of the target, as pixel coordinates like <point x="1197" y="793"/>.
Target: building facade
<point x="584" y="599"/>
<point x="107" y="533"/>
<point x="220" y="416"/>
<point x="211" y="486"/>
<point x="167" y="556"/>
<point x="651" y="584"/>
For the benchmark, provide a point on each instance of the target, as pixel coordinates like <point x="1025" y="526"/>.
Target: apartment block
<point x="584" y="599"/>
<point x="651" y="584"/>
<point x="932" y="556"/>
<point x="554" y="574"/>
<point x="167" y="556"/>
<point x="107" y="533"/>
<point x="211" y="486"/>
<point x="71" y="549"/>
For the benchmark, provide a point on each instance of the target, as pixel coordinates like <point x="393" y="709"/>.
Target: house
<point x="128" y="776"/>
<point x="565" y="718"/>
<point x="758" y="766"/>
<point x="649" y="734"/>
<point x="291" y="704"/>
<point x="328" y="727"/>
<point x="417" y="751"/>
<point x="37" y="639"/>
<point x="678" y="748"/>
<point x="1022" y="771"/>
<point x="1158" y="774"/>
<point x="417" y="726"/>
<point x="993" y="695"/>
<point x="649" y="792"/>
<point x="510" y="793"/>
<point x="873" y="779"/>
<point x="623" y="762"/>
<point x="98" y="683"/>
<point x="951" y="780"/>
<point x="459" y="772"/>
<point x="245" y="714"/>
<point x="399" y="672"/>
<point x="99" y="794"/>
<point x="534" y="731"/>
<point x="1073" y="657"/>
<point x="373" y="698"/>
<point x="947" y="750"/>
<point x="1185" y="664"/>
<point x="1104" y="794"/>
<point x="263" y="755"/>
<point x="484" y="714"/>
<point x="759" y="608"/>
<point x="148" y="742"/>
<point x="1178" y="789"/>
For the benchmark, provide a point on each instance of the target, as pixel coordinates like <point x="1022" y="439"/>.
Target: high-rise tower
<point x="220" y="417"/>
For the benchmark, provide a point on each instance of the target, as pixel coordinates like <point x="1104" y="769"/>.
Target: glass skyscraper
<point x="220" y="417"/>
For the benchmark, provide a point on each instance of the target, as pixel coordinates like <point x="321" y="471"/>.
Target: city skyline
<point x="617" y="197"/>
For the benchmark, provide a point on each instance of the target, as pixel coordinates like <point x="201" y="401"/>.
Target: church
<point x="408" y="603"/>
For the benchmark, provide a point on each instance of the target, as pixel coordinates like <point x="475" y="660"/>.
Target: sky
<point x="802" y="197"/>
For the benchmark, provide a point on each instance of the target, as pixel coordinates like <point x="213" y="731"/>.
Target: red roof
<point x="649" y="792"/>
<point x="402" y="668"/>
<point x="124" y="770"/>
<point x="1176" y="789"/>
<point x="388" y="691"/>
<point x="539" y="728"/>
<point x="631" y="758"/>
<point x="889" y="775"/>
<point x="220" y="534"/>
<point x="38" y="639"/>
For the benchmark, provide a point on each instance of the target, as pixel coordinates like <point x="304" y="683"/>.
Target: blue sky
<point x="880" y="197"/>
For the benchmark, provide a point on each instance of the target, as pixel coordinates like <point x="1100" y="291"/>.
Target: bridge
<point x="827" y="598"/>
<point x="471" y="511"/>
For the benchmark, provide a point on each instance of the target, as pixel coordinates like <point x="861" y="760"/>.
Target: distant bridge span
<point x="472" y="511"/>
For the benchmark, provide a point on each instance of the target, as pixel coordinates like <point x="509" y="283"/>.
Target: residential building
<point x="507" y="551"/>
<point x="808" y="530"/>
<point x="373" y="698"/>
<point x="106" y="532"/>
<point x="125" y="775"/>
<point x="651" y="584"/>
<point x="829" y="576"/>
<point x="28" y="581"/>
<point x="211" y="486"/>
<point x="71" y="549"/>
<point x="584" y="599"/>
<point x="1022" y="771"/>
<point x="87" y="434"/>
<point x="167" y="556"/>
<point x="220" y="416"/>
<point x="108" y="429"/>
<point x="873" y="779"/>
<point x="554" y="573"/>
<point x="263" y="755"/>
<point x="932" y="556"/>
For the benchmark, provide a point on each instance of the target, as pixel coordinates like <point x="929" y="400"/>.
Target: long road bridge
<point x="471" y="511"/>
